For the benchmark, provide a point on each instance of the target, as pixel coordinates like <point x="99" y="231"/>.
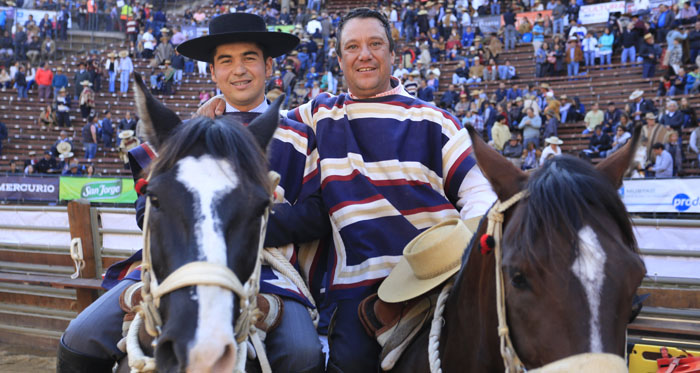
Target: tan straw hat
<point x="63" y="147"/>
<point x="428" y="260"/>
<point x="650" y="116"/>
<point x="553" y="140"/>
<point x="126" y="134"/>
<point x="636" y="94"/>
<point x="123" y="53"/>
<point x="86" y="82"/>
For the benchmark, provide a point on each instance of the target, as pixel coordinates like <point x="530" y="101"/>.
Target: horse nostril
<point x="227" y="361"/>
<point x="167" y="357"/>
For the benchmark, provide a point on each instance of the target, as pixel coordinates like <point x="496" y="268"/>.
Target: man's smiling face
<point x="240" y="70"/>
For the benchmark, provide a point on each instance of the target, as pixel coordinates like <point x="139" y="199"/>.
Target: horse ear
<point x="264" y="126"/>
<point x="615" y="166"/>
<point x="505" y="178"/>
<point x="156" y="120"/>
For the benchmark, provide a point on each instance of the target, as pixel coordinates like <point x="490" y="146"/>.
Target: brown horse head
<point x="570" y="261"/>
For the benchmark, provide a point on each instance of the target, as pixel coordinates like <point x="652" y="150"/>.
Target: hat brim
<point x="275" y="43"/>
<point x="402" y="285"/>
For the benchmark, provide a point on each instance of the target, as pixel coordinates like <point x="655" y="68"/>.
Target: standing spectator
<point x="81" y="75"/>
<point x="537" y="35"/>
<point x="126" y="67"/>
<point x="540" y="62"/>
<point x="178" y="36"/>
<point x="593" y="118"/>
<point x="34" y="49"/>
<point x="551" y="127"/>
<point x="89" y="134"/>
<point x="44" y="79"/>
<point x="500" y="133"/>
<point x="675" y="148"/>
<point x="21" y="83"/>
<point x="605" y="45"/>
<point x="107" y="129"/>
<point x="20" y="43"/>
<point x="530" y="125"/>
<point x="449" y="97"/>
<point x="409" y="22"/>
<point x="649" y="55"/>
<point x="663" y="164"/>
<point x="111" y="68"/>
<point x="558" y="14"/>
<point x="552" y="150"/>
<point x="675" y="56"/>
<point x="574" y="56"/>
<point x="577" y="29"/>
<point x="86" y="100"/>
<point x="511" y="36"/>
<point x="178" y="64"/>
<point x="691" y="119"/>
<point x="590" y="47"/>
<point x="59" y="81"/>
<point x="164" y="50"/>
<point x="663" y="22"/>
<point x="62" y="108"/>
<point x="461" y="74"/>
<point x="629" y="39"/>
<point x="693" y="38"/>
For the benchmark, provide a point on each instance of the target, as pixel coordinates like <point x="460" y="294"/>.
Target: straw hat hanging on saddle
<point x="235" y="27"/>
<point x="428" y="260"/>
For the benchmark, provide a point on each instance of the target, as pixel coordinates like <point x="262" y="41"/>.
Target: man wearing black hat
<point x="240" y="51"/>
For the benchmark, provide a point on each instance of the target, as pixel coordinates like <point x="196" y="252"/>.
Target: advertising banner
<point x="487" y="24"/>
<point x="599" y="13"/>
<point x="643" y="6"/>
<point x="97" y="189"/>
<point x="18" y="188"/>
<point x="662" y="195"/>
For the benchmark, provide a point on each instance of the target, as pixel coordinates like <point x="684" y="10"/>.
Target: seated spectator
<point x="551" y="126"/>
<point x="593" y="118"/>
<point x="425" y="92"/>
<point x="619" y="140"/>
<point x="672" y="117"/>
<point x="552" y="150"/>
<point x="598" y="144"/>
<point x="48" y="49"/>
<point x="506" y="72"/>
<point x="687" y="14"/>
<point x="694" y="144"/>
<point x="663" y="163"/>
<point x="475" y="72"/>
<point x="501" y="92"/>
<point x="475" y="120"/>
<point x="530" y="156"/>
<point x="449" y="97"/>
<point x="47" y="164"/>
<point x="462" y="107"/>
<point x="411" y="85"/>
<point x="47" y="118"/>
<point x="204" y="96"/>
<point x="513" y="150"/>
<point x="515" y="112"/>
<point x="530" y="125"/>
<point x="29" y="170"/>
<point x="5" y="79"/>
<point x="500" y="133"/>
<point x="490" y="71"/>
<point x="611" y="117"/>
<point x="653" y="133"/>
<point x="460" y="75"/>
<point x="433" y="81"/>
<point x="73" y="169"/>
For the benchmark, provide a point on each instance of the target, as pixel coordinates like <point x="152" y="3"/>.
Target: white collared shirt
<point x="259" y="109"/>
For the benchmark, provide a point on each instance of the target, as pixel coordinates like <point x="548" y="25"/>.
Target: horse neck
<point x="469" y="338"/>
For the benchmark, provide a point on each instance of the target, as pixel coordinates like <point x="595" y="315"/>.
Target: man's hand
<point x="215" y="106"/>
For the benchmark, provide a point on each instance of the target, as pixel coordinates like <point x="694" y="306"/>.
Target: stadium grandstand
<point x="535" y="78"/>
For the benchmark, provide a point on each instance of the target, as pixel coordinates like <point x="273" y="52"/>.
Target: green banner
<point x="97" y="189"/>
<point x="281" y="28"/>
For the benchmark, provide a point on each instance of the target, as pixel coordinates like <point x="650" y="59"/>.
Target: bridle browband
<point x="205" y="273"/>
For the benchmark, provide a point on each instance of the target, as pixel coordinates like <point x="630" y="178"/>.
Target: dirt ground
<point x="15" y="359"/>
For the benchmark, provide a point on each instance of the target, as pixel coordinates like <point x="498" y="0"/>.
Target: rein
<point x="584" y="362"/>
<point x="201" y="273"/>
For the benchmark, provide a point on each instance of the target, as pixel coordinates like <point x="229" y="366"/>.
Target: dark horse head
<point x="571" y="268"/>
<point x="208" y="190"/>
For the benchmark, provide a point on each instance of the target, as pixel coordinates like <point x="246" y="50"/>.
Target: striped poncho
<point x="390" y="167"/>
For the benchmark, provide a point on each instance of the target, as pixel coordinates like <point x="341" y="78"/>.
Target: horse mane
<point x="563" y="195"/>
<point x="220" y="138"/>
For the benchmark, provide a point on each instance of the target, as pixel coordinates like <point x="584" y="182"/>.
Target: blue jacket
<point x="59" y="81"/>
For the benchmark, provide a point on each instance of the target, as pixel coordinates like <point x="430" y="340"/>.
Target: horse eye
<point x="518" y="280"/>
<point x="154" y="201"/>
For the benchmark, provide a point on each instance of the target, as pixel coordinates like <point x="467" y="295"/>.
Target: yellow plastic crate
<point x="642" y="359"/>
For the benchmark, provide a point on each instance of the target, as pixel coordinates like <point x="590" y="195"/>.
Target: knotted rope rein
<point x="200" y="273"/>
<point x="510" y="357"/>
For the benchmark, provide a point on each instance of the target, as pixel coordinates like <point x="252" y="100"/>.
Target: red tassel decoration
<point x="487" y="243"/>
<point x="140" y="186"/>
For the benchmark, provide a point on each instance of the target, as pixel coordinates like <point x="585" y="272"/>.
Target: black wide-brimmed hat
<point x="238" y="27"/>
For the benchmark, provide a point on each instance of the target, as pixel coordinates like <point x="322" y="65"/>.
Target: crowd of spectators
<point x="520" y="120"/>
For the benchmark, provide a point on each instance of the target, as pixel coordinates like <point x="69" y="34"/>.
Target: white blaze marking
<point x="589" y="267"/>
<point x="208" y="179"/>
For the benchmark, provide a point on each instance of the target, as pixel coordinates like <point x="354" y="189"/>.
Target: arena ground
<point x="16" y="359"/>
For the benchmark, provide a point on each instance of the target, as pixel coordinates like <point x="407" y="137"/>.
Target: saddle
<point x="270" y="306"/>
<point x="395" y="325"/>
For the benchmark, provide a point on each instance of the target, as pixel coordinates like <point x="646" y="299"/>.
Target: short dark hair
<point x="364" y="13"/>
<point x="657" y="145"/>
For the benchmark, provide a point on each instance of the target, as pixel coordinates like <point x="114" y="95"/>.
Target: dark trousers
<point x="648" y="69"/>
<point x="63" y="119"/>
<point x="351" y="349"/>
